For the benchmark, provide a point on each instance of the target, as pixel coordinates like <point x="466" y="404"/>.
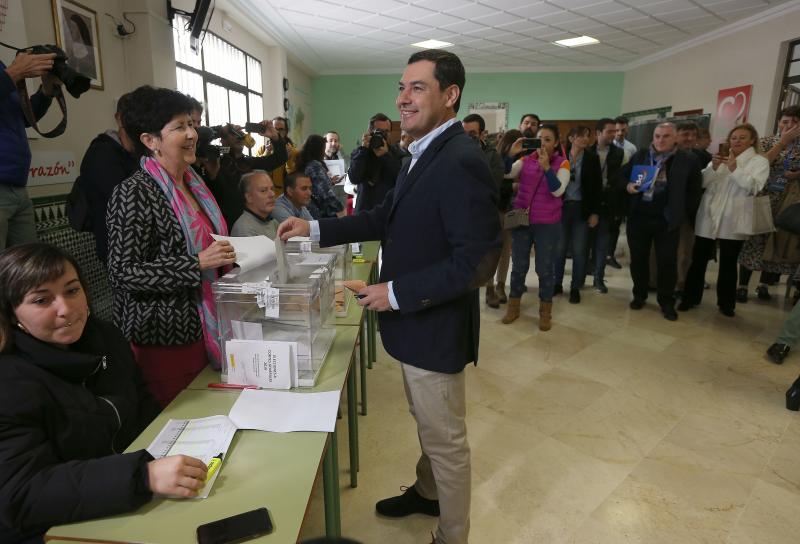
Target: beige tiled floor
<point x="614" y="427"/>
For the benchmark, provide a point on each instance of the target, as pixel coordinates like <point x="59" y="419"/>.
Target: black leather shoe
<point x="727" y="312"/>
<point x="600" y="287"/>
<point x="685" y="306"/>
<point x="669" y="313"/>
<point x="574" y="296"/>
<point x="612" y="262"/>
<point x="763" y="293"/>
<point x="636" y="304"/>
<point x="410" y="502"/>
<point x="741" y="295"/>
<point x="793" y="396"/>
<point x="558" y="289"/>
<point x="777" y="353"/>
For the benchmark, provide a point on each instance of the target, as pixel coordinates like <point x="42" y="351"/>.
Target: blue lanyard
<point x="787" y="159"/>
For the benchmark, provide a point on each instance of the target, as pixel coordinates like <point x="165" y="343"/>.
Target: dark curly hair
<point x="313" y="150"/>
<point x="149" y="109"/>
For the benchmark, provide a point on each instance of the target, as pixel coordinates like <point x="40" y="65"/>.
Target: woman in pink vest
<point x="543" y="177"/>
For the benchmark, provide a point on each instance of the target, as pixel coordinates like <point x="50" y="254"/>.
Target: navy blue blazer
<point x="440" y="234"/>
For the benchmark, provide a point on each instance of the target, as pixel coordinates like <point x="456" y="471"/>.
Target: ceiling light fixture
<point x="577" y="42"/>
<point x="432" y="44"/>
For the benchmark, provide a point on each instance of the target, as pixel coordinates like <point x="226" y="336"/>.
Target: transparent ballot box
<point x="258" y="311"/>
<point x="343" y="270"/>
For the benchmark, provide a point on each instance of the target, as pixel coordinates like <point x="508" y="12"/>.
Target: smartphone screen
<point x="531" y="143"/>
<point x="235" y="528"/>
<point x="724" y="149"/>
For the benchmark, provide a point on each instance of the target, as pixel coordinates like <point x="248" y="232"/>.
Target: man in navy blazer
<point x="441" y="239"/>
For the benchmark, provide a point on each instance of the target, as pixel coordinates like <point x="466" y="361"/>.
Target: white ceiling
<point x="338" y="36"/>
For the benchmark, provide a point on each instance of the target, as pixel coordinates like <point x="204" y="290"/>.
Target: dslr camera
<point x="205" y="150"/>
<point x="75" y="83"/>
<point x="377" y="138"/>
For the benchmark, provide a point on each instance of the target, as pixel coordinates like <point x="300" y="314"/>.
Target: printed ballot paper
<point x="281" y="412"/>
<point x="202" y="439"/>
<point x="270" y="365"/>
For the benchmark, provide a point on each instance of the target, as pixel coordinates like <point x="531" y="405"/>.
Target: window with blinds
<point x="221" y="76"/>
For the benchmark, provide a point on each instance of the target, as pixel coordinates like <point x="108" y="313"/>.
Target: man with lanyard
<point x="612" y="158"/>
<point x="669" y="196"/>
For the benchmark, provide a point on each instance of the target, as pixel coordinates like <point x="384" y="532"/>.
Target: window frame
<point x="787" y="80"/>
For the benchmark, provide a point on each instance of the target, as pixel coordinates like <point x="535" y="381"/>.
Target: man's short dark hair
<point x="196" y="104"/>
<point x="448" y="70"/>
<point x="475" y="118"/>
<point x="123" y="103"/>
<point x="290" y="181"/>
<point x="382" y="117"/>
<point x="791" y="111"/>
<point x="538" y="121"/>
<point x="689" y="126"/>
<point x="600" y="126"/>
<point x="622" y="120"/>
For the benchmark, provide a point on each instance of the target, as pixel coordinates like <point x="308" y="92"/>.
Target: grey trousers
<point x="17" y="224"/>
<point x="438" y="403"/>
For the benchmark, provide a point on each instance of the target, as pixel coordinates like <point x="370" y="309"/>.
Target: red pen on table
<point x="230" y="386"/>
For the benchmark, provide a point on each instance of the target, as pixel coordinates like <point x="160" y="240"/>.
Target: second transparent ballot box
<point x="293" y="318"/>
<point x="343" y="270"/>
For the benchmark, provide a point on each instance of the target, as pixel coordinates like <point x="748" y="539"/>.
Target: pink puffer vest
<point x="545" y="208"/>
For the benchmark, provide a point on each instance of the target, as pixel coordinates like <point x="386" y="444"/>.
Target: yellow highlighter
<point x="213" y="466"/>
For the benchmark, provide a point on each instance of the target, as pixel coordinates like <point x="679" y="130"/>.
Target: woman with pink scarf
<point x="162" y="258"/>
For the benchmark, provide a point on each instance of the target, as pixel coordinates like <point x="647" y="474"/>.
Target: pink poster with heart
<point x="733" y="106"/>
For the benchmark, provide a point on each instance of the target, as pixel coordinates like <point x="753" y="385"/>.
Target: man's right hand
<point x="27" y="65"/>
<point x="365" y="140"/>
<point x="293" y="226"/>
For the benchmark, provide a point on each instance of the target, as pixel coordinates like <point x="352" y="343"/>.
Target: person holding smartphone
<point x="727" y="180"/>
<point x="758" y="253"/>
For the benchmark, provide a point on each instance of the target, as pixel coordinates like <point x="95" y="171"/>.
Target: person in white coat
<point x="730" y="183"/>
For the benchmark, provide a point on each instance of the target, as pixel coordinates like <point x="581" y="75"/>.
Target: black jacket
<point x="104" y="166"/>
<point x="684" y="186"/>
<point x="65" y="416"/>
<point x="611" y="201"/>
<point x="375" y="176"/>
<point x="441" y="240"/>
<point x="591" y="184"/>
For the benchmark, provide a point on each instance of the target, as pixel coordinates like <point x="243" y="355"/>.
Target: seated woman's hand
<point x="220" y="253"/>
<point x="178" y="475"/>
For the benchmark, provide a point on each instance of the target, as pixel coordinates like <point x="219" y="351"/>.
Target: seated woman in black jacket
<point x="71" y="400"/>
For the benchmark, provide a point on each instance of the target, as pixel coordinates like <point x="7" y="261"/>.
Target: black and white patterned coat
<point x="155" y="282"/>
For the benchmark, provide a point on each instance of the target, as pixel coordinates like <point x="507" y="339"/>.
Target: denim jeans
<point x="544" y="239"/>
<point x="575" y="235"/>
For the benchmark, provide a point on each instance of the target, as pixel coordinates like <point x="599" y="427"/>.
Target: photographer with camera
<point x="233" y="163"/>
<point x="374" y="165"/>
<point x="16" y="209"/>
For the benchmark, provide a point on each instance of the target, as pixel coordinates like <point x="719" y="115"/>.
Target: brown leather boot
<point x="491" y="296"/>
<point x="500" y="289"/>
<point x="545" y="315"/>
<point x="512" y="311"/>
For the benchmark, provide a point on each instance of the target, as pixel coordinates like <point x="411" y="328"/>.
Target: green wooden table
<point x="276" y="470"/>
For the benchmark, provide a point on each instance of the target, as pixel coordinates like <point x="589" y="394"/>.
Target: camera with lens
<point x="377" y="139"/>
<point x="205" y="150"/>
<point x="75" y="83"/>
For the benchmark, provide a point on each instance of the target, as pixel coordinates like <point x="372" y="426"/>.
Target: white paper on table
<point x="265" y="364"/>
<point x="251" y="251"/>
<point x="335" y="167"/>
<point x="244" y="330"/>
<point x="283" y="412"/>
<point x="202" y="438"/>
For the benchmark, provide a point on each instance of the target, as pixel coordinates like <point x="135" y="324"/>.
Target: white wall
<point x="692" y="78"/>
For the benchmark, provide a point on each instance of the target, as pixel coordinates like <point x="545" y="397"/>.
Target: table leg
<point x="362" y="363"/>
<point x="330" y="485"/>
<point x="352" y="422"/>
<point x="373" y="337"/>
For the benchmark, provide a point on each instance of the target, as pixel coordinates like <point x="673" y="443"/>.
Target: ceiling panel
<point x="376" y="34"/>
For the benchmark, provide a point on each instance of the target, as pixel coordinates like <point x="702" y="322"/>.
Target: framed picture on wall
<point x="77" y="34"/>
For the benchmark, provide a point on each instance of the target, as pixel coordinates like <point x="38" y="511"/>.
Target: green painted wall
<point x="345" y="103"/>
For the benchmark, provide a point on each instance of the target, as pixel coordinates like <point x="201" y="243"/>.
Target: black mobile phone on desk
<point x="236" y="528"/>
